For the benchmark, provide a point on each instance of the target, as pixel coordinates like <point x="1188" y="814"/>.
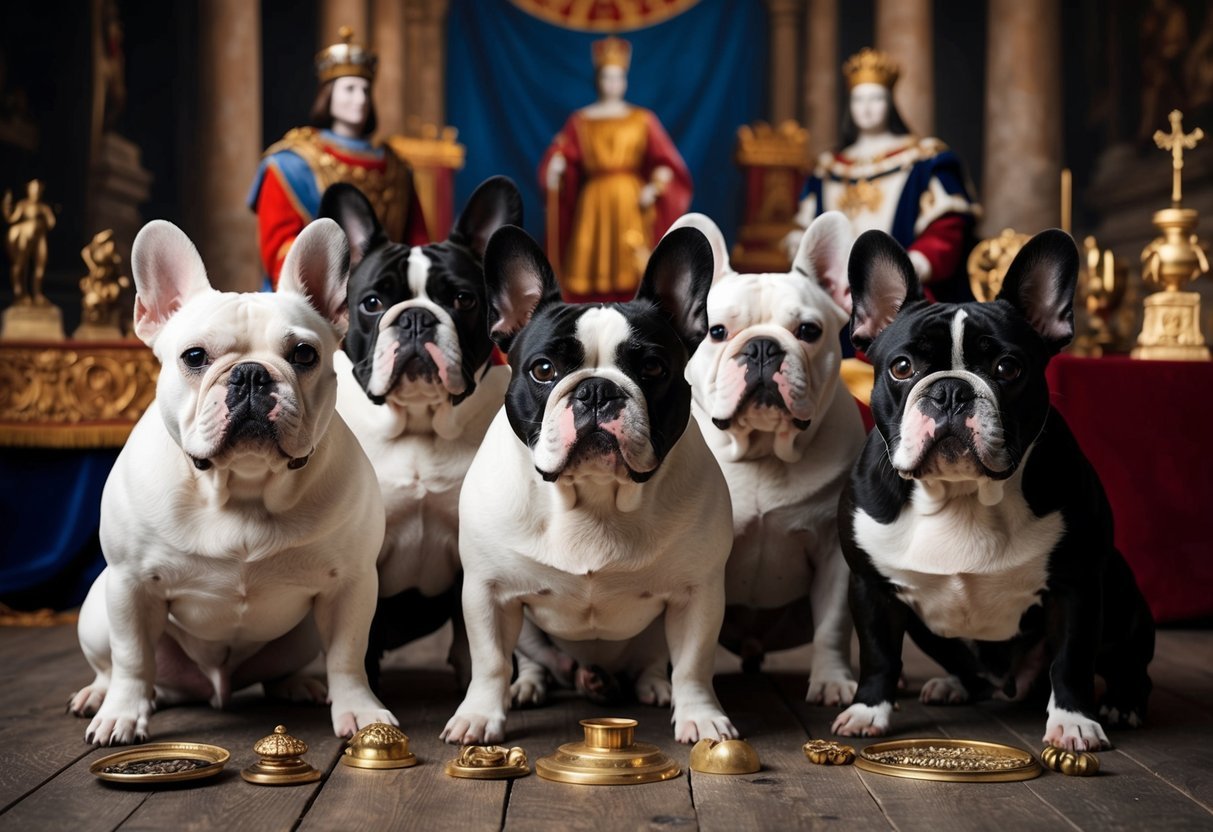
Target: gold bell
<point x="724" y="757"/>
<point x="281" y="761"/>
<point x="1071" y="763"/>
<point x="489" y="762"/>
<point x="608" y="756"/>
<point x="378" y="746"/>
<point x="828" y="753"/>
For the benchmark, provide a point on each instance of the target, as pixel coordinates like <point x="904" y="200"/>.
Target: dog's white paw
<point x="528" y="691"/>
<point x="702" y="723"/>
<point x="831" y="687"/>
<point x="349" y="715"/>
<point x="861" y="720"/>
<point x="87" y="700"/>
<point x="1072" y="731"/>
<point x="298" y="688"/>
<point x="469" y="728"/>
<point x="120" y="721"/>
<point x="653" y="690"/>
<point x="944" y="690"/>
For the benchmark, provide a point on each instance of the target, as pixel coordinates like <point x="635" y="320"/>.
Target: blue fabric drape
<point x="512" y="80"/>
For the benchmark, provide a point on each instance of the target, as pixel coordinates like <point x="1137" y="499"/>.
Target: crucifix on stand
<point x="1177" y="142"/>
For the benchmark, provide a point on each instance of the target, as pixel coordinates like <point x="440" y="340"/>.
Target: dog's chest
<point x="967" y="570"/>
<point x="595" y="606"/>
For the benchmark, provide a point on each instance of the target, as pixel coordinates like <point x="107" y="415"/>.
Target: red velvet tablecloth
<point x="1146" y="427"/>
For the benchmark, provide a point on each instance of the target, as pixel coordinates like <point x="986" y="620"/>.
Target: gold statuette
<point x="31" y="317"/>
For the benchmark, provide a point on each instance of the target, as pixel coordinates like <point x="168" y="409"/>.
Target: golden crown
<point x="345" y="58"/>
<point x="611" y="51"/>
<point x="871" y="66"/>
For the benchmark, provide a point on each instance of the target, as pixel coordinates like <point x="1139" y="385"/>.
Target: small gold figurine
<point x="1101" y="290"/>
<point x="31" y="316"/>
<point x="828" y="753"/>
<point x="1171" y="328"/>
<point x="101" y="290"/>
<point x="1070" y="763"/>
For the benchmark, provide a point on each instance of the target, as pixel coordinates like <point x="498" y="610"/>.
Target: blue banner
<point x="512" y="80"/>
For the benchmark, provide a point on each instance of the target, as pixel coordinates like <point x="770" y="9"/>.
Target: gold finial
<point x="1177" y="142"/>
<point x="871" y="66"/>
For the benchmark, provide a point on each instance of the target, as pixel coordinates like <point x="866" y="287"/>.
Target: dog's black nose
<point x="250" y="378"/>
<point x="596" y="392"/>
<point x="764" y="353"/>
<point x="951" y="395"/>
<point x="417" y="323"/>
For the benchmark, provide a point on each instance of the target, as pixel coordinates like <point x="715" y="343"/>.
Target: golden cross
<point x="1177" y="141"/>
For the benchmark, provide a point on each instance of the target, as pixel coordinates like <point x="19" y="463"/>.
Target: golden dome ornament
<point x="379" y="746"/>
<point x="608" y="756"/>
<point x="1070" y="763"/>
<point x="712" y="756"/>
<point x="282" y="762"/>
<point x="828" y="753"/>
<point x="489" y="762"/>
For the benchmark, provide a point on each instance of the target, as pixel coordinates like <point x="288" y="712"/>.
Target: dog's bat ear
<point x="350" y="208"/>
<point x="519" y="282"/>
<point x="677" y="280"/>
<point x="318" y="267"/>
<point x="1040" y="284"/>
<point x="709" y="229"/>
<point x="494" y="203"/>
<point x="167" y="270"/>
<point x="882" y="282"/>
<point x="822" y="256"/>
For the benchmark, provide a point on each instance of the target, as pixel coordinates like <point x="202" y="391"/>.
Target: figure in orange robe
<point x="615" y="183"/>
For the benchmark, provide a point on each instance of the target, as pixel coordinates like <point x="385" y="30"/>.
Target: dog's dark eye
<point x="543" y="371"/>
<point x="901" y="368"/>
<point x="718" y="332"/>
<point x="809" y="332"/>
<point x="195" y="358"/>
<point x="304" y="355"/>
<point x="465" y="300"/>
<point x="654" y="369"/>
<point x="1007" y="368"/>
<point x="371" y="305"/>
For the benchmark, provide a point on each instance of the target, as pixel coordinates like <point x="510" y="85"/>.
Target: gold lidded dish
<point x="608" y="756"/>
<point x="1070" y="763"/>
<point x="130" y="765"/>
<point x="282" y="762"/>
<point x="828" y="753"/>
<point x="949" y="760"/>
<point x="712" y="756"/>
<point x="379" y="746"/>
<point x="489" y="762"/>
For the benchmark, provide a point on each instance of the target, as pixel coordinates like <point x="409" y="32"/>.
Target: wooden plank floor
<point x="1160" y="777"/>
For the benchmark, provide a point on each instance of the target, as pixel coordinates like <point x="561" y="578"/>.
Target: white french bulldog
<point x="593" y="508"/>
<point x="241" y="521"/>
<point x="786" y="433"/>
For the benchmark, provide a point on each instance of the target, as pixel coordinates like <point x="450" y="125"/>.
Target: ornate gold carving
<point x="828" y="753"/>
<point x="1101" y="290"/>
<point x="490" y="756"/>
<point x="101" y="308"/>
<point x="774" y="160"/>
<point x="948" y="760"/>
<point x="379" y="746"/>
<point x="859" y="196"/>
<point x="871" y="66"/>
<point x="45" y="617"/>
<point x="281" y="762"/>
<point x="1072" y="763"/>
<point x="765" y="146"/>
<point x="73" y="395"/>
<point x="989" y="261"/>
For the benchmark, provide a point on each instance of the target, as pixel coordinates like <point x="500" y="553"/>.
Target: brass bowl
<point x="213" y="755"/>
<point x="710" y="756"/>
<point x="608" y="756"/>
<point x="954" y="761"/>
<point x="379" y="746"/>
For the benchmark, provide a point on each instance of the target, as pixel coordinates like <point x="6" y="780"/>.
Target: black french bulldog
<point x="972" y="520"/>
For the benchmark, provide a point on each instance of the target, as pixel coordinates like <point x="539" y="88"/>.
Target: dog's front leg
<point x="343" y="618"/>
<point x="692" y="626"/>
<point x="1074" y="629"/>
<point x="493" y="625"/>
<point x="830" y="681"/>
<point x="880" y="620"/>
<point x="136" y="621"/>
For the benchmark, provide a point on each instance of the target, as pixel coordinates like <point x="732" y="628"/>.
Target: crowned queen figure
<point x="615" y="183"/>
<point x="885" y="177"/>
<point x="336" y="147"/>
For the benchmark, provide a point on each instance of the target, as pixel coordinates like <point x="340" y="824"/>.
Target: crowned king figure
<point x="335" y="147"/>
<point x="886" y="178"/>
<point x="615" y="183"/>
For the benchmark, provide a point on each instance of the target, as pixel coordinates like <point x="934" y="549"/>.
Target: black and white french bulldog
<point x="972" y="520"/>
<point x="594" y="509"/>
<point x="417" y="386"/>
<point x="786" y="434"/>
<point x="241" y="521"/>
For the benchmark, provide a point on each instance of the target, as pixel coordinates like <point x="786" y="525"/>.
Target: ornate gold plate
<point x="954" y="761"/>
<point x="609" y="756"/>
<point x="213" y="755"/>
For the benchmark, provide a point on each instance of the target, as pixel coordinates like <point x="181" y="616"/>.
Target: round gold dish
<point x="281" y="761"/>
<point x="379" y="746"/>
<point x="954" y="761"/>
<point x="489" y="762"/>
<point x="213" y="755"/>
<point x="608" y="756"/>
<point x="710" y="756"/>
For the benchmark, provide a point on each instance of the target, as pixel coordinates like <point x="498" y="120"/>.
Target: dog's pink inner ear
<point x="167" y="270"/>
<point x="317" y="267"/>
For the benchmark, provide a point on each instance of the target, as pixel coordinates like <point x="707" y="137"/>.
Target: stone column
<point x="904" y="29"/>
<point x="389" y="44"/>
<point x="228" y="141"/>
<point x="333" y="14"/>
<point x="425" y="62"/>
<point x="1022" y="164"/>
<point x="785" y="24"/>
<point x="821" y="70"/>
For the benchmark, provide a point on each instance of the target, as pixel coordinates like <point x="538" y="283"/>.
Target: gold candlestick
<point x="1171" y="328"/>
